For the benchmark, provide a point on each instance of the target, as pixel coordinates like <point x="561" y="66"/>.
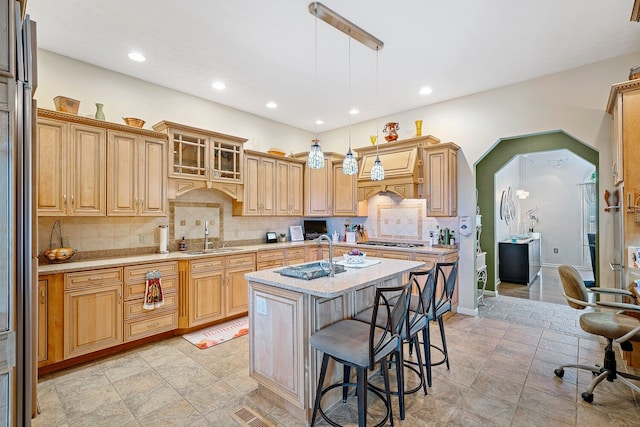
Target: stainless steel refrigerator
<point x="18" y="262"/>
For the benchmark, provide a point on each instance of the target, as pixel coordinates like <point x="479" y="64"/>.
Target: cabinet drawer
<point x="134" y="308"/>
<point x="269" y="264"/>
<point x="136" y="290"/>
<point x="395" y="255"/>
<point x="145" y="327"/>
<point x="270" y="255"/>
<point x="91" y="279"/>
<point x="212" y="263"/>
<point x="244" y="260"/>
<point x="137" y="273"/>
<point x="296" y="253"/>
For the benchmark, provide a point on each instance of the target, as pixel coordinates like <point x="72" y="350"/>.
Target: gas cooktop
<point x="392" y="244"/>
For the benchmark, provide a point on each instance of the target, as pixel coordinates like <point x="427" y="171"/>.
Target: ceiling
<point x="264" y="51"/>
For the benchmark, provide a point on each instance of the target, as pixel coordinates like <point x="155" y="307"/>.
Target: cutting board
<point x="365" y="263"/>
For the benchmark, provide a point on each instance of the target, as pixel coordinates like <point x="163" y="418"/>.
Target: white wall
<point x="573" y="101"/>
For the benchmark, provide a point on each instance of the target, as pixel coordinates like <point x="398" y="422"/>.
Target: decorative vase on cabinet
<point x="99" y="112"/>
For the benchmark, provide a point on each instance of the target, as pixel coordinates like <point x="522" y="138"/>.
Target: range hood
<point x="403" y="168"/>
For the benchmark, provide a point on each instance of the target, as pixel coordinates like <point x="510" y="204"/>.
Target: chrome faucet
<point x="328" y="239"/>
<point x="206" y="236"/>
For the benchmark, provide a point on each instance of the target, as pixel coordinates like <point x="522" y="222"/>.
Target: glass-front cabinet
<point x="201" y="154"/>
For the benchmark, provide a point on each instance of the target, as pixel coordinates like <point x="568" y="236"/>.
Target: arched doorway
<point x="501" y="153"/>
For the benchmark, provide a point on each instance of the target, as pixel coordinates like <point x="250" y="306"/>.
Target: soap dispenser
<point x="183" y="244"/>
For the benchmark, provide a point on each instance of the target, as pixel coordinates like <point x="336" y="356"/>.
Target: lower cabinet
<point x="140" y="322"/>
<point x="216" y="289"/>
<point x="92" y="311"/>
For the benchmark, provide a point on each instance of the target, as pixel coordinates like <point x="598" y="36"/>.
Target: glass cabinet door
<point x="225" y="160"/>
<point x="189" y="159"/>
<point x="6" y="216"/>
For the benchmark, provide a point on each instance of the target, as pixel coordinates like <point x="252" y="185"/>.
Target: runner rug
<point x="218" y="334"/>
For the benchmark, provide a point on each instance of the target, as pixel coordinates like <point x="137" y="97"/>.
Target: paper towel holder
<point x="163" y="239"/>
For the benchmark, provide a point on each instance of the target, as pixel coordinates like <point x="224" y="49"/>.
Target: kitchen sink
<point x="213" y="251"/>
<point x="310" y="271"/>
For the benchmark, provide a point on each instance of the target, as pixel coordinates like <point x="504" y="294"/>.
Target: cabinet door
<point x="53" y="167"/>
<point x="188" y="155"/>
<point x="251" y="205"/>
<point x="122" y="176"/>
<point x="205" y="297"/>
<point x="617" y="146"/>
<point x="152" y="178"/>
<point x="43" y="312"/>
<point x="88" y="171"/>
<point x="441" y="177"/>
<point x="318" y="191"/>
<point x="289" y="178"/>
<point x="267" y="181"/>
<point x="345" y="199"/>
<point x="296" y="178"/>
<point x="237" y="291"/>
<point x="92" y="319"/>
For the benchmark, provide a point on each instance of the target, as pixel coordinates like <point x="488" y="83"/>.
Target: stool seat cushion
<point x="348" y="340"/>
<point x="609" y="325"/>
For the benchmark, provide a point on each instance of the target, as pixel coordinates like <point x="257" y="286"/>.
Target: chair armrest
<point x="612" y="291"/>
<point x="620" y="305"/>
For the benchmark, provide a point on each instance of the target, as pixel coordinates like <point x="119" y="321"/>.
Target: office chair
<point x="617" y="327"/>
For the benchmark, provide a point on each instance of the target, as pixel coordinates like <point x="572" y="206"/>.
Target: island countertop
<point x="328" y="287"/>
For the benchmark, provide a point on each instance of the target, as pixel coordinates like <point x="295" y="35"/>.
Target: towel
<point x="153" y="297"/>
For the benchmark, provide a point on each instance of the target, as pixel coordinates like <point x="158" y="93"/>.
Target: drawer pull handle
<point x="153" y="325"/>
<point x="95" y="278"/>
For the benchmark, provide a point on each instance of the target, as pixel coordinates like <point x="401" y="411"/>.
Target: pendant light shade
<point x="377" y="171"/>
<point x="316" y="156"/>
<point x="349" y="164"/>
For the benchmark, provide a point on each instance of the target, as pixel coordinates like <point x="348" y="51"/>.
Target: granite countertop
<point x="231" y="250"/>
<point x="351" y="279"/>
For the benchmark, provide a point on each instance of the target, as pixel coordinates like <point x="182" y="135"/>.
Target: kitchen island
<point x="285" y="311"/>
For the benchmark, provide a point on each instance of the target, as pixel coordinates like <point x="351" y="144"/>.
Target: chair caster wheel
<point x="587" y="397"/>
<point x="559" y="372"/>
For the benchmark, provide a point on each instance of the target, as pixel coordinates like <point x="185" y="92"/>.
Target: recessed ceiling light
<point x="354" y="111"/>
<point x="272" y="105"/>
<point x="137" y="56"/>
<point x="319" y="122"/>
<point x="218" y="85"/>
<point x="426" y="90"/>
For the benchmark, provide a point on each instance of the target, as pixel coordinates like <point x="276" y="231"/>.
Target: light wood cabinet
<point x="259" y="186"/>
<point x="140" y="322"/>
<point x="441" y="179"/>
<point x="43" y="313"/>
<point x="624" y="107"/>
<point x="272" y="186"/>
<point x="71" y="169"/>
<point x="137" y="177"/>
<point x="216" y="289"/>
<point x="92" y="311"/>
<point x="344" y="192"/>
<point x="289" y="193"/>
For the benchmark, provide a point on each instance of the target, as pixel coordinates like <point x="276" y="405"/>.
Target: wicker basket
<point x="66" y="105"/>
<point x="133" y="121"/>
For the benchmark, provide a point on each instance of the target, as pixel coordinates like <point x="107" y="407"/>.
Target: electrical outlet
<point x="555" y="250"/>
<point x="141" y="238"/>
<point x="261" y="305"/>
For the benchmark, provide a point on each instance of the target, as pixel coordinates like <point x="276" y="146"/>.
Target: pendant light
<point x="377" y="170"/>
<point x="350" y="163"/>
<point x="316" y="156"/>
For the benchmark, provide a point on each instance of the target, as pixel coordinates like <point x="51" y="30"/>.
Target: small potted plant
<point x="283" y="237"/>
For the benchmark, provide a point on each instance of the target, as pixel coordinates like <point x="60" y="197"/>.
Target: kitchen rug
<point x="218" y="334"/>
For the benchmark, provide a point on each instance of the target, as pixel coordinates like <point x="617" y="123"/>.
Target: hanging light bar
<point x="343" y="24"/>
<point x="350" y="163"/>
<point x="316" y="156"/>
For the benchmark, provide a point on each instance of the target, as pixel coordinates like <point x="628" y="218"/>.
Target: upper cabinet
<point x="272" y="186"/>
<point x="71" y="168"/>
<point x="344" y="194"/>
<point x="78" y="175"/>
<point x="441" y="179"/>
<point x="137" y="179"/>
<point x="201" y="158"/>
<point x="624" y="107"/>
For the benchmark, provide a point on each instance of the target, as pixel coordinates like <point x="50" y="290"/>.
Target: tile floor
<point x="501" y="374"/>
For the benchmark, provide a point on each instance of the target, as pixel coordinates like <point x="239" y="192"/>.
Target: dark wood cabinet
<point x="519" y="262"/>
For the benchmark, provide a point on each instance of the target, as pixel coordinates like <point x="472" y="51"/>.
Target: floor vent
<point x="247" y="417"/>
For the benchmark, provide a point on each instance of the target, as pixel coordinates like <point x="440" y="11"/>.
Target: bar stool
<point x="445" y="280"/>
<point x="362" y="346"/>
<point x="417" y="320"/>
